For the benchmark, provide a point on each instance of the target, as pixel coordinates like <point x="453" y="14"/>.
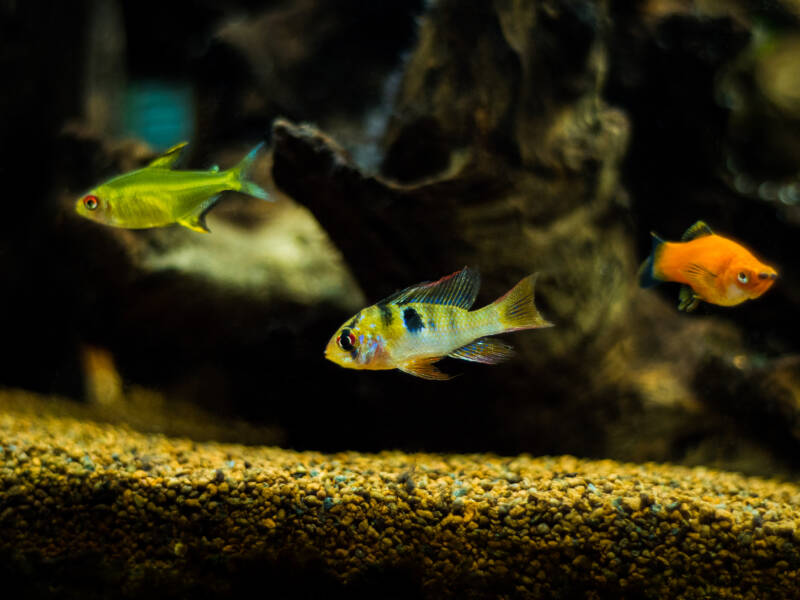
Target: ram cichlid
<point x="416" y="327"/>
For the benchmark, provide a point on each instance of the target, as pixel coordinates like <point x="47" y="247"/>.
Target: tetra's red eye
<point x="90" y="202"/>
<point x="346" y="340"/>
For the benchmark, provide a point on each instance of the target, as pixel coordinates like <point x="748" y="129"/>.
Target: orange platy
<point x="711" y="268"/>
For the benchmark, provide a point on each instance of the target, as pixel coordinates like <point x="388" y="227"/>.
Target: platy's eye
<point x="346" y="340"/>
<point x="90" y="202"/>
<point x="743" y="277"/>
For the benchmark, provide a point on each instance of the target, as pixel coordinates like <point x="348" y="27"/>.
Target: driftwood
<point x="522" y="174"/>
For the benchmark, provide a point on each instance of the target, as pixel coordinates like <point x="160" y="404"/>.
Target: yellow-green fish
<point x="414" y="328"/>
<point x="157" y="195"/>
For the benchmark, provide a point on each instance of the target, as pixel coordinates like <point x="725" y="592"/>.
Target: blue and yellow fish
<point x="157" y="195"/>
<point x="418" y="326"/>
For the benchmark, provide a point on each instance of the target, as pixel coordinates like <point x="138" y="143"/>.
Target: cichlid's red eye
<point x="346" y="340"/>
<point x="90" y="202"/>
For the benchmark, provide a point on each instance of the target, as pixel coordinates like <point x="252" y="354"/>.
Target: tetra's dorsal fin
<point x="699" y="229"/>
<point x="423" y="367"/>
<point x="196" y="220"/>
<point x="169" y="158"/>
<point x="457" y="289"/>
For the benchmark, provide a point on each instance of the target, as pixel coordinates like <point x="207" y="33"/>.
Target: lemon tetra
<point x="159" y="195"/>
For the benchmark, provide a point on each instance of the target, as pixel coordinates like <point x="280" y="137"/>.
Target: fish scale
<point x="451" y="327"/>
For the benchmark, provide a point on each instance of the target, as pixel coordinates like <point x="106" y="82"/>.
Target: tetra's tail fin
<point x="646" y="275"/>
<point x="240" y="175"/>
<point x="517" y="309"/>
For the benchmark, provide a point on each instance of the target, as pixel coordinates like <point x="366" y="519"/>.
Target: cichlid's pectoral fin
<point x="687" y="299"/>
<point x="424" y="368"/>
<point x="486" y="350"/>
<point x="169" y="158"/>
<point x="196" y="220"/>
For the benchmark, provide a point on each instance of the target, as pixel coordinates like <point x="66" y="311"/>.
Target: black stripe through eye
<point x="346" y="340"/>
<point x="386" y="314"/>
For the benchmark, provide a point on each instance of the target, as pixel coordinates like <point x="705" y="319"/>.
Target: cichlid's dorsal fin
<point x="196" y="220"/>
<point x="423" y="367"/>
<point x="699" y="229"/>
<point x="169" y="158"/>
<point x="457" y="289"/>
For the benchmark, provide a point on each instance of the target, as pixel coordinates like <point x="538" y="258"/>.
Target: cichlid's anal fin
<point x="699" y="229"/>
<point x="423" y="367"/>
<point x="196" y="220"/>
<point x="486" y="350"/>
<point x="687" y="299"/>
<point x="170" y="158"/>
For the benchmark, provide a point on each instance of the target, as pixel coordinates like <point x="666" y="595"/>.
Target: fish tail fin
<point x="516" y="308"/>
<point x="647" y="277"/>
<point x="240" y="176"/>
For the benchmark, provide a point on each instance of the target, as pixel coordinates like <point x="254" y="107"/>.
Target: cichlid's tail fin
<point x="646" y="275"/>
<point x="517" y="309"/>
<point x="240" y="176"/>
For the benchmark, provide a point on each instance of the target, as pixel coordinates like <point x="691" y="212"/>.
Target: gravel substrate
<point x="89" y="509"/>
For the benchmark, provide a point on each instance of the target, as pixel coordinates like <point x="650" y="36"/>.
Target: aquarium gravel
<point x="133" y="508"/>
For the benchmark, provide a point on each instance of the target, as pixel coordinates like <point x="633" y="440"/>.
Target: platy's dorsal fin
<point x="457" y="289"/>
<point x="169" y="158"/>
<point x="699" y="229"/>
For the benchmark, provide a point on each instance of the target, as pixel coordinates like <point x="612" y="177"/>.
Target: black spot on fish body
<point x="354" y="353"/>
<point x="386" y="314"/>
<point x="412" y="320"/>
<point x="431" y="324"/>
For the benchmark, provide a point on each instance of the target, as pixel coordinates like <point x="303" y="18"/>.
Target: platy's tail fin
<point x="646" y="274"/>
<point x="517" y="309"/>
<point x="240" y="174"/>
